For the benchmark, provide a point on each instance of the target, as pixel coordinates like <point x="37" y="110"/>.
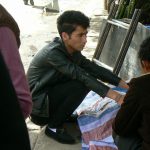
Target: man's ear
<point x="146" y="65"/>
<point x="65" y="36"/>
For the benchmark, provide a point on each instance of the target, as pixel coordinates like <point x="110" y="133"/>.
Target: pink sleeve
<point x="10" y="52"/>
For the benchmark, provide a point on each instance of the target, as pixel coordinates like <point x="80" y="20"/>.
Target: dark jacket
<point x="134" y="115"/>
<point x="53" y="64"/>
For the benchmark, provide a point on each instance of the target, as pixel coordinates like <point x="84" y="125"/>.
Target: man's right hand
<point x="115" y="96"/>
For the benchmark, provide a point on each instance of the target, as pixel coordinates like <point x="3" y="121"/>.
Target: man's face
<point x="77" y="40"/>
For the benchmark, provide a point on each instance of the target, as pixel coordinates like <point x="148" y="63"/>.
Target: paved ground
<point x="37" y="29"/>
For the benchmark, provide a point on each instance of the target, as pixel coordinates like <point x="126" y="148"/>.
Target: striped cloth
<point x="95" y="123"/>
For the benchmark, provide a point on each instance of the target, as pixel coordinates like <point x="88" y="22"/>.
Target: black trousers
<point x="127" y="143"/>
<point x="64" y="98"/>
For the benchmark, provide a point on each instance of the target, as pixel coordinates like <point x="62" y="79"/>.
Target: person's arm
<point x="134" y="114"/>
<point x="145" y="131"/>
<point x="13" y="126"/>
<point x="10" y="52"/>
<point x="126" y="121"/>
<point x="64" y="65"/>
<point x="102" y="73"/>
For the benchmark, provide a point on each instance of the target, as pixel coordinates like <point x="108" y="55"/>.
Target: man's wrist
<point x="112" y="94"/>
<point x="123" y="84"/>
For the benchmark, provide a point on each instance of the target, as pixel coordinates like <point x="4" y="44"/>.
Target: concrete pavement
<point x="37" y="29"/>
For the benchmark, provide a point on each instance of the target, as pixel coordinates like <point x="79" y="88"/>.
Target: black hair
<point x="144" y="51"/>
<point x="69" y="20"/>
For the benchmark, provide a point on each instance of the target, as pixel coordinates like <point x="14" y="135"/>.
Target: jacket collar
<point x="61" y="45"/>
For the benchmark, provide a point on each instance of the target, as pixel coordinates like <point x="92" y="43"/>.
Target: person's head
<point x="7" y="20"/>
<point x="72" y="26"/>
<point x="144" y="55"/>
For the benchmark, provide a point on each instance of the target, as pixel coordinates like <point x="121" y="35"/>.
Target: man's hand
<point x="123" y="84"/>
<point x="115" y="96"/>
<point x="119" y="99"/>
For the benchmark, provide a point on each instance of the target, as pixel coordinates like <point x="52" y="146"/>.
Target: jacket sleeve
<point x="125" y="122"/>
<point x="62" y="63"/>
<point x="10" y="52"/>
<point x="146" y="129"/>
<point x="100" y="72"/>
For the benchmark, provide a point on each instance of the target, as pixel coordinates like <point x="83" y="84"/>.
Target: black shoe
<point x="60" y="135"/>
<point x="32" y="2"/>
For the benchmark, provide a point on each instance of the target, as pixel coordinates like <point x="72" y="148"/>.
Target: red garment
<point x="10" y="52"/>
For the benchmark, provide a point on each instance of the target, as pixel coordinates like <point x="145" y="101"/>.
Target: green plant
<point x="127" y="7"/>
